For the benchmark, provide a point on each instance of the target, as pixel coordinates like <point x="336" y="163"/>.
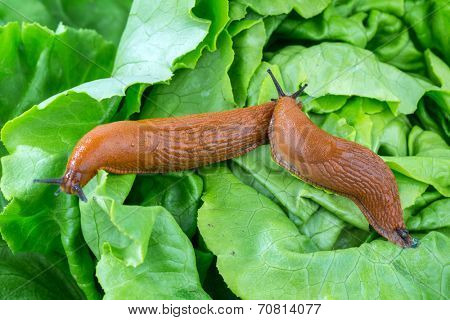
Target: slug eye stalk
<point x="280" y="90"/>
<point x="409" y="241"/>
<point x="277" y="84"/>
<point x="299" y="91"/>
<point x="61" y="182"/>
<point x="80" y="193"/>
<point x="49" y="181"/>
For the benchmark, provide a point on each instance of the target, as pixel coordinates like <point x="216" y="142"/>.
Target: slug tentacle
<point x="277" y="84"/>
<point x="49" y="181"/>
<point x="80" y="192"/>
<point x="341" y="166"/>
<point x="404" y="234"/>
<point x="280" y="91"/>
<point x="66" y="184"/>
<point x="297" y="93"/>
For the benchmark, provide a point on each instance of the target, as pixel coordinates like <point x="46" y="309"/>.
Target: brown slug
<point x="163" y="145"/>
<point x="341" y="166"/>
<point x="297" y="144"/>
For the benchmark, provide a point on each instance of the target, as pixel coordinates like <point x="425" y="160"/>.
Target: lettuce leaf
<point x="38" y="63"/>
<point x="276" y="7"/>
<point x="142" y="252"/>
<point x="30" y="276"/>
<point x="342" y="69"/>
<point x="206" y="88"/>
<point x="429" y="20"/>
<point x="429" y="161"/>
<point x="40" y="140"/>
<point x="79" y="14"/>
<point x="374" y="25"/>
<point x="248" y="48"/>
<point x="178" y="192"/>
<point x="262" y="255"/>
<point x="246" y="228"/>
<point x="432" y="217"/>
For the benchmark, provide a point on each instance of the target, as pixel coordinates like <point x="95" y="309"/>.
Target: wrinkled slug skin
<point x="338" y="165"/>
<point x="167" y="144"/>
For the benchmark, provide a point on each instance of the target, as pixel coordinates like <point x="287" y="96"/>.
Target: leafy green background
<point x="377" y="72"/>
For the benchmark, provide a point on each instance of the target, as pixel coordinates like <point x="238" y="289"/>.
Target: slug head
<point x="280" y="91"/>
<point x="402" y="237"/>
<point x="70" y="183"/>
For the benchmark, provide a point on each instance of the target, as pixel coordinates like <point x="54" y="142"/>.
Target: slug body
<point x="338" y="165"/>
<point x="297" y="144"/>
<point x="166" y="144"/>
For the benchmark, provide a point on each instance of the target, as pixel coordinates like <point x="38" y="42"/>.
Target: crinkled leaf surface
<point x="142" y="252"/>
<point x="40" y="140"/>
<point x="429" y="163"/>
<point x="430" y="21"/>
<point x="275" y="7"/>
<point x="38" y="63"/>
<point x="262" y="255"/>
<point x="78" y="14"/>
<point x="383" y="83"/>
<point x="179" y="193"/>
<point x="206" y="88"/>
<point x="434" y="216"/>
<point x="374" y="25"/>
<point x="217" y="13"/>
<point x="342" y="69"/>
<point x="30" y="276"/>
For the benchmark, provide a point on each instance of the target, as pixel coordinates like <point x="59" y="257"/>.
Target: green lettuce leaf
<point x="323" y="228"/>
<point x="39" y="141"/>
<point x="430" y="22"/>
<point x="38" y="63"/>
<point x="205" y="88"/>
<point x="434" y="216"/>
<point x="248" y="49"/>
<point x="179" y="193"/>
<point x="275" y="7"/>
<point x="434" y="113"/>
<point x="217" y="13"/>
<point x="374" y="25"/>
<point x="142" y="252"/>
<point x="84" y="14"/>
<point x="30" y="221"/>
<point x="342" y="69"/>
<point x="262" y="255"/>
<point x="429" y="162"/>
<point x="429" y="170"/>
<point x="30" y="276"/>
